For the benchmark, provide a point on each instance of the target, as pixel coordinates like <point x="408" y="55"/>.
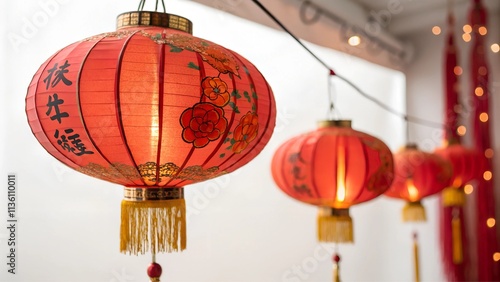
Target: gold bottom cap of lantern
<point x="334" y="225"/>
<point x="153" y="219"/>
<point x="414" y="212"/>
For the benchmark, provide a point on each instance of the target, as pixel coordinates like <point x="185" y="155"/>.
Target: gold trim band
<point x="153" y="194"/>
<point x="334" y="123"/>
<point x="142" y="18"/>
<point x="327" y="211"/>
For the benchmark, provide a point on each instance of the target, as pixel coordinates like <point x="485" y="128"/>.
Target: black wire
<point x="405" y="117"/>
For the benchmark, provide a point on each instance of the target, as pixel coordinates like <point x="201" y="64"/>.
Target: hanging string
<point x="143" y="2"/>
<point x="405" y="117"/>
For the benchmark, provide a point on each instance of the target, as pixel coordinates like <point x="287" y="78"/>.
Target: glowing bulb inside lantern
<point x="490" y="222"/>
<point x="457" y="182"/>
<point x="412" y="190"/>
<point x="341" y="189"/>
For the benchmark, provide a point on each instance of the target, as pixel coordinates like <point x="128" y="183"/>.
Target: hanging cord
<point x="143" y="2"/>
<point x="407" y="118"/>
<point x="333" y="111"/>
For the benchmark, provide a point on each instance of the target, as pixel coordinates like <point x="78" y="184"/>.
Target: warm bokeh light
<point x="457" y="70"/>
<point x="483" y="70"/>
<point x="483" y="117"/>
<point x="467" y="28"/>
<point x="487" y="175"/>
<point x="436" y="30"/>
<point x="468" y="189"/>
<point x="354" y="40"/>
<point x="479" y="91"/>
<point x="466" y="37"/>
<point x="488" y="153"/>
<point x="490" y="222"/>
<point x="495" y="47"/>
<point x="461" y="130"/>
<point x="483" y="30"/>
<point x="496" y="256"/>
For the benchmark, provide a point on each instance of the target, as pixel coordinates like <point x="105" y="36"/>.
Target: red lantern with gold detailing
<point x="152" y="108"/>
<point x="333" y="167"/>
<point x="417" y="175"/>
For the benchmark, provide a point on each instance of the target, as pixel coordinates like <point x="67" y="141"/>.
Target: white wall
<point x="240" y="226"/>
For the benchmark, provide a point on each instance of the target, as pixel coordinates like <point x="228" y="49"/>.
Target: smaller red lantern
<point x="417" y="175"/>
<point x="333" y="167"/>
<point x="466" y="165"/>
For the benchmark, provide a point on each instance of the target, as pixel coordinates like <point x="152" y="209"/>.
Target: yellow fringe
<point x="453" y="197"/>
<point x="416" y="260"/>
<point x="156" y="226"/>
<point x="456" y="238"/>
<point x="335" y="229"/>
<point x="413" y="212"/>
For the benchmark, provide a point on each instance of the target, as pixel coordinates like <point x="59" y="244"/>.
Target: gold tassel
<point x="414" y="212"/>
<point x="415" y="258"/>
<point x="335" y="225"/>
<point x="155" y="223"/>
<point x="453" y="197"/>
<point x="456" y="237"/>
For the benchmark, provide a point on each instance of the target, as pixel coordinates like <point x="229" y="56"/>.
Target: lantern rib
<point x="271" y="103"/>
<point x="161" y="92"/>
<point x="202" y="72"/>
<point x="286" y="153"/>
<point x="313" y="179"/>
<point x="223" y="138"/>
<point x="367" y="172"/>
<point x="119" y="120"/>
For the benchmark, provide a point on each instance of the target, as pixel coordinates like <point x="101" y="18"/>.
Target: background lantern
<point x="417" y="175"/>
<point x="152" y="108"/>
<point x="333" y="167"/>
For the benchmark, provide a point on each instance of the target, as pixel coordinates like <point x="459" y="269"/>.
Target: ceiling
<point x="384" y="25"/>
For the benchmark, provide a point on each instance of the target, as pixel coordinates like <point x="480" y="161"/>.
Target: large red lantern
<point x="333" y="167"/>
<point x="417" y="175"/>
<point x="152" y="108"/>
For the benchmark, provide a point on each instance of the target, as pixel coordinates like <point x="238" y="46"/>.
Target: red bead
<point x="154" y="270"/>
<point x="336" y="258"/>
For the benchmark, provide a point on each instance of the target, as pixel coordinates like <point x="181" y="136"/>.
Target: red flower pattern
<point x="245" y="132"/>
<point x="216" y="90"/>
<point x="202" y="123"/>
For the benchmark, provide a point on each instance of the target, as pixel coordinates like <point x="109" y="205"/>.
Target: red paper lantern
<point x="417" y="175"/>
<point x="333" y="167"/>
<point x="152" y="108"/>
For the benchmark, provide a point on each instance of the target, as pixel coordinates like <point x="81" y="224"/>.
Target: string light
<point x="487" y="175"/>
<point x="495" y="47"/>
<point x="496" y="256"/>
<point x="461" y="130"/>
<point x="479" y="91"/>
<point x="483" y="30"/>
<point x="468" y="189"/>
<point x="483" y="117"/>
<point x="490" y="222"/>
<point x="466" y="37"/>
<point x="354" y="40"/>
<point x="467" y="28"/>
<point x="488" y="153"/>
<point x="457" y="70"/>
<point x="483" y="70"/>
<point x="436" y="30"/>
